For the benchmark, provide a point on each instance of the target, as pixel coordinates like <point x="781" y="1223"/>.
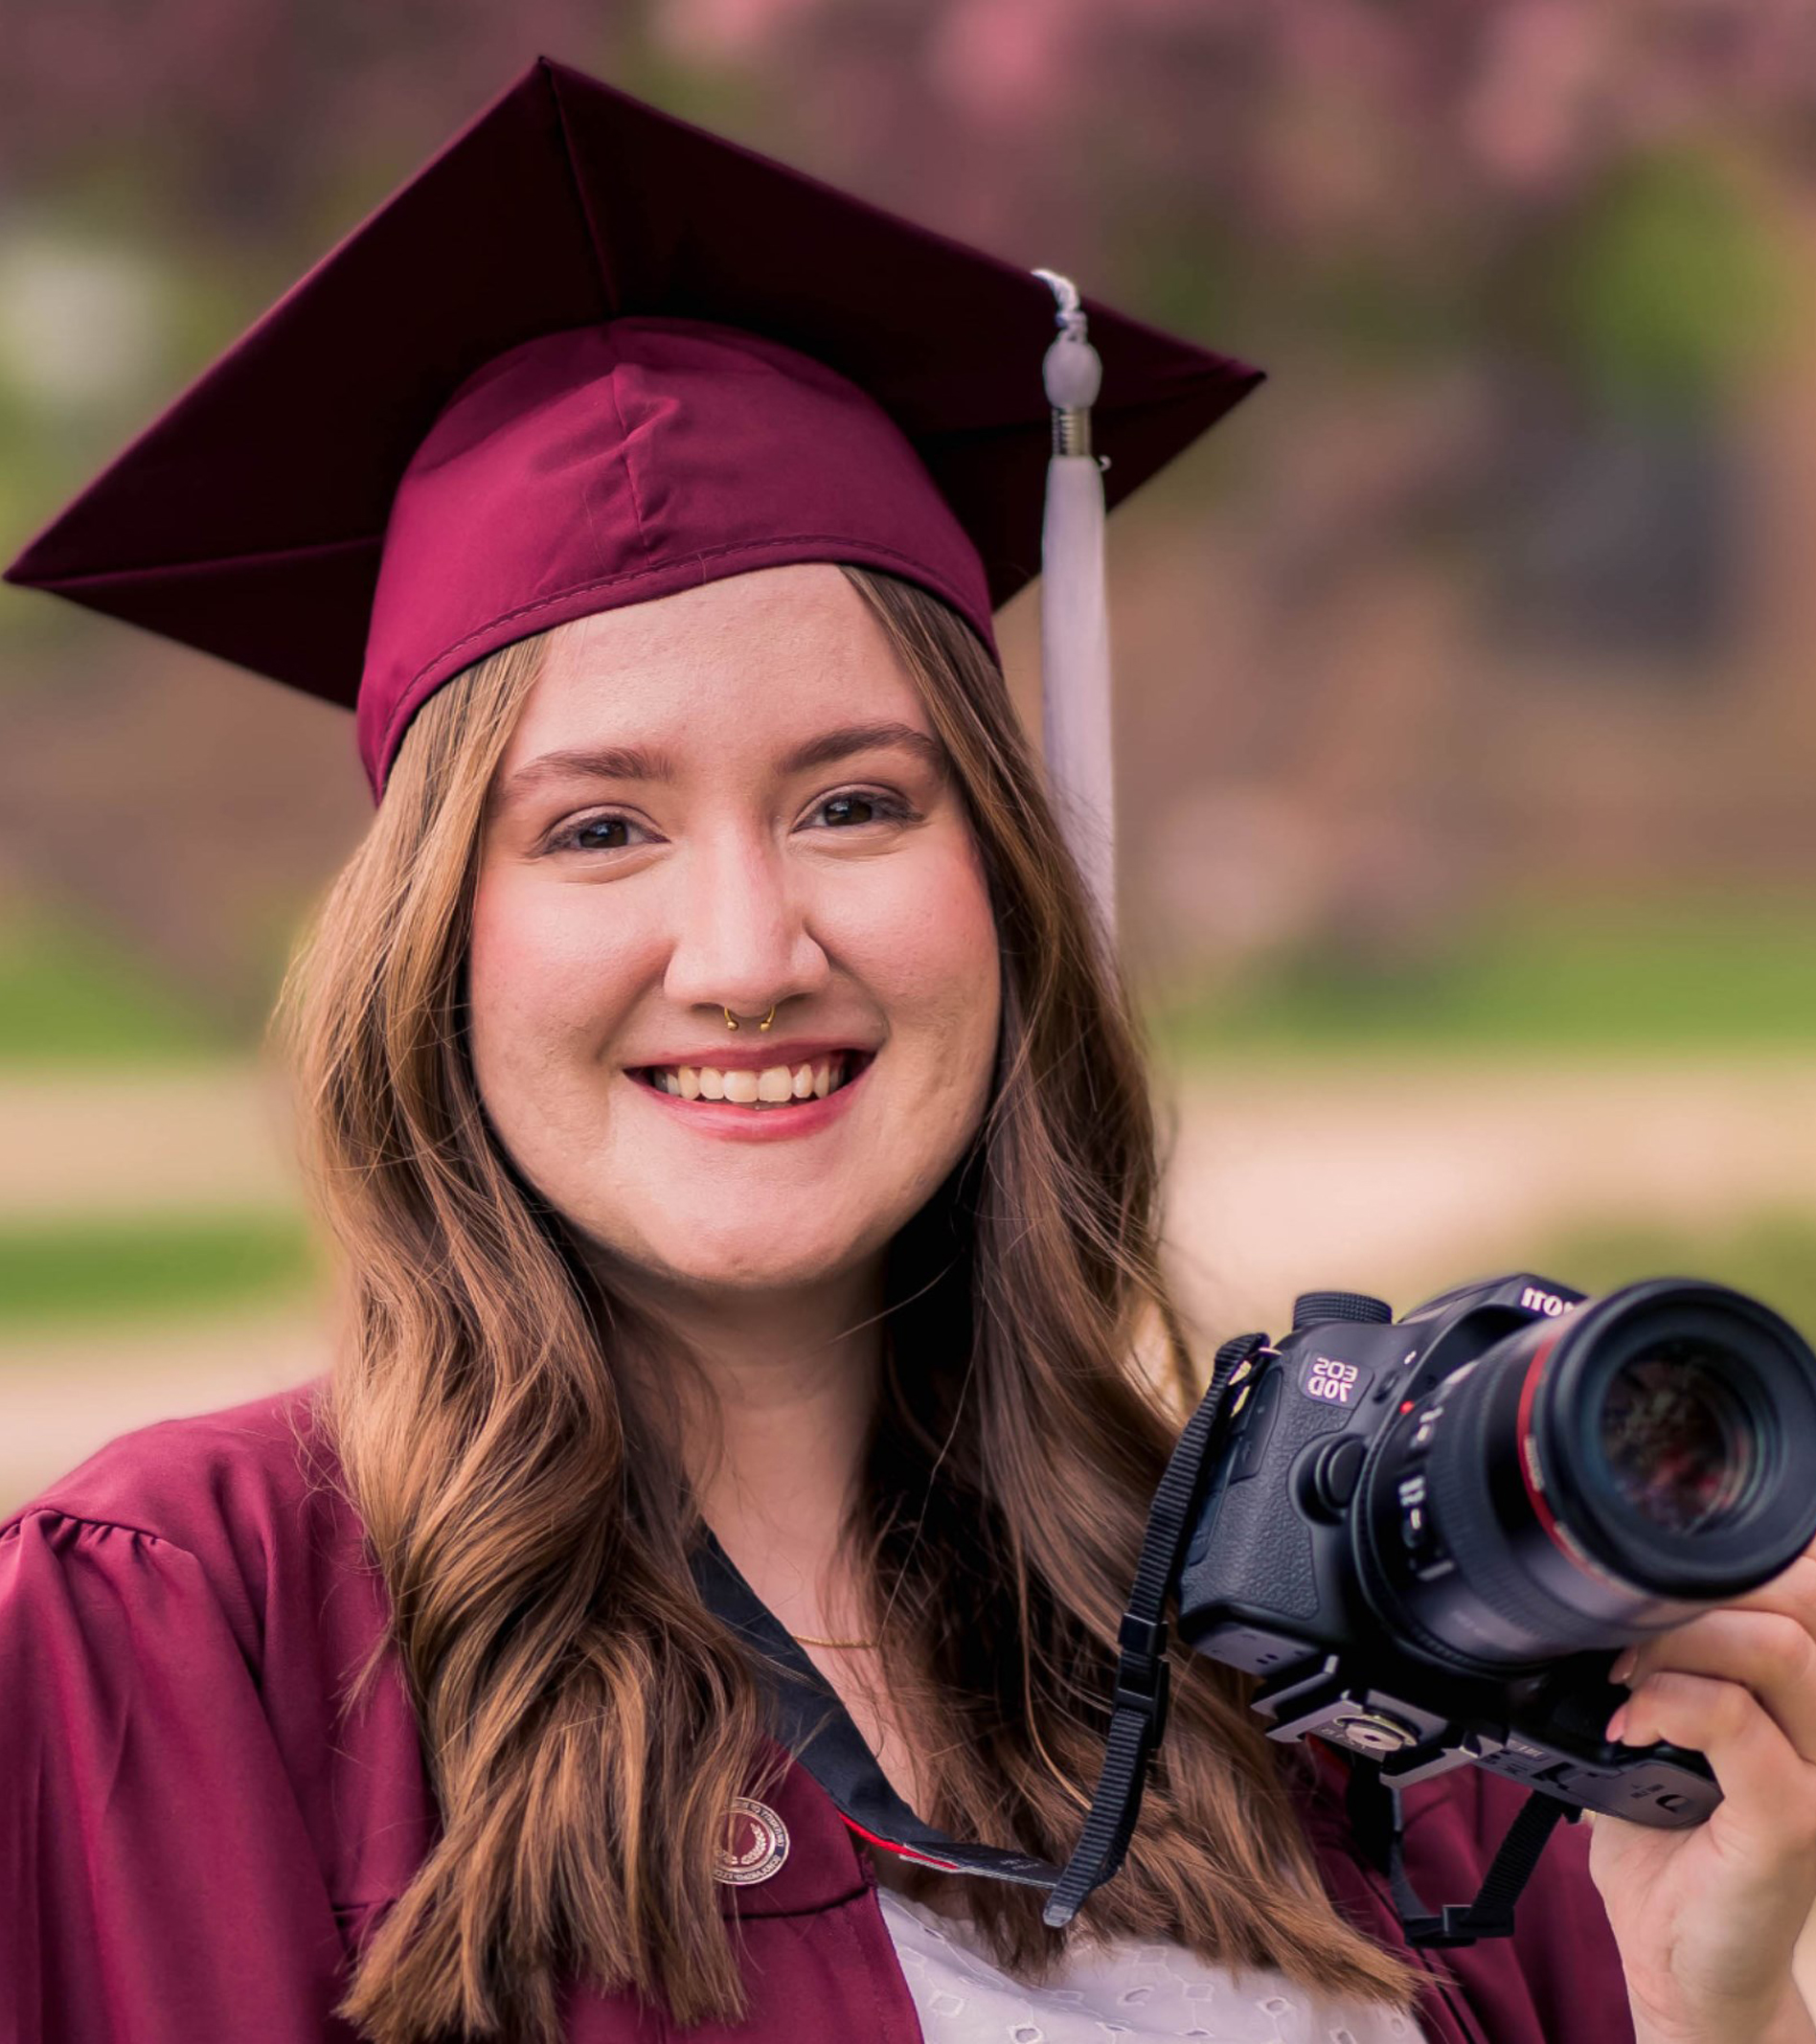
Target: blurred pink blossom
<point x="1010" y="60"/>
<point x="723" y="29"/>
<point x="1535" y="111"/>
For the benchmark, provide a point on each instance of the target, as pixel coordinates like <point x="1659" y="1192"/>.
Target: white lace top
<point x="1137" y="1992"/>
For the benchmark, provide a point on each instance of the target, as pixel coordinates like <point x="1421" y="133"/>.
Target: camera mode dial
<point x="1313" y="1309"/>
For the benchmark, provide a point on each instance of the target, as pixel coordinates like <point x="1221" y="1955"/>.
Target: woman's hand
<point x="1707" y="1918"/>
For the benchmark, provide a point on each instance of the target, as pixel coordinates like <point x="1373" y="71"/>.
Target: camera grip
<point x="1248" y="1551"/>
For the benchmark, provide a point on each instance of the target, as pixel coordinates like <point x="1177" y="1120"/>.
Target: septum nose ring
<point x="731" y="1020"/>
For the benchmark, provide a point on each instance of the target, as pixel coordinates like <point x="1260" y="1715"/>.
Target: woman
<point x="740" y="1156"/>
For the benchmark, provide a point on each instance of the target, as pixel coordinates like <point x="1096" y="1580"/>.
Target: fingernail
<point x="1624" y="1666"/>
<point x="1617" y="1724"/>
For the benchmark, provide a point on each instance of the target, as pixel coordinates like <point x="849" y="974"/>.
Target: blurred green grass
<point x="81" y="1271"/>
<point x="1705" y="976"/>
<point x="1695" y="975"/>
<point x="72" y="996"/>
<point x="75" y="1272"/>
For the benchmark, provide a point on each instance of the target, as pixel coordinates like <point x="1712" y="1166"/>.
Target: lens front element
<point x="1680" y="1446"/>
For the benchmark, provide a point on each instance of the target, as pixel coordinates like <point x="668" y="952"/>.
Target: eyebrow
<point x="849" y="738"/>
<point x="643" y="763"/>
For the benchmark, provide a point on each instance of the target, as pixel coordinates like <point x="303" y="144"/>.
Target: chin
<point x="745" y="1255"/>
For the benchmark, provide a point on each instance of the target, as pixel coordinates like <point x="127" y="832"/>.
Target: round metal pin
<point x="756" y="1843"/>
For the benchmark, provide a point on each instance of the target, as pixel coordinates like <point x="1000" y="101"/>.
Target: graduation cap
<point x="591" y="354"/>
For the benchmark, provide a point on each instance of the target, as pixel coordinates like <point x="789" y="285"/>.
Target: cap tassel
<point x="1074" y="634"/>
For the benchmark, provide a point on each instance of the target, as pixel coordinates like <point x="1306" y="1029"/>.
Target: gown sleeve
<point x="158" y="1884"/>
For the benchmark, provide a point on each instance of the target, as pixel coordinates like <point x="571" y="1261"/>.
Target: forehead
<point x="781" y="651"/>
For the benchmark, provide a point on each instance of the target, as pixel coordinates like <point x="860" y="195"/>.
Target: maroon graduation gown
<point x="190" y="1848"/>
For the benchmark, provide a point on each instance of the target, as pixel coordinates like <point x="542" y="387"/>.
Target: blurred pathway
<point x="1370" y="1178"/>
<point x="140" y="1143"/>
<point x="1281" y="1177"/>
<point x="143" y="1143"/>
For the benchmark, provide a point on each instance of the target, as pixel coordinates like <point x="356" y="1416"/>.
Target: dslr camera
<point x="1429" y="1537"/>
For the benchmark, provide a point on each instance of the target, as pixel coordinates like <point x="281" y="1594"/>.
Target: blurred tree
<point x="1513" y="260"/>
<point x="250" y="120"/>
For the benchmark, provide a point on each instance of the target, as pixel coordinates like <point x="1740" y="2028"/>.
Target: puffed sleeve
<point x="157" y="1881"/>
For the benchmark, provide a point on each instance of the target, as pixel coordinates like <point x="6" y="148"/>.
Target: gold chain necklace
<point x="804" y="1639"/>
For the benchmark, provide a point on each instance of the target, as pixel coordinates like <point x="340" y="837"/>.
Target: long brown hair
<point x="586" y="1721"/>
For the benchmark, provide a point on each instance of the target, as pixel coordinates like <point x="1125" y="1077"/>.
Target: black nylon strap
<point x="1375" y="1813"/>
<point x="1139" y="1714"/>
<point x="1491" y="1914"/>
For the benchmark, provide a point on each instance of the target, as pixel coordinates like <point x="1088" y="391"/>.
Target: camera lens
<point x="1680" y="1448"/>
<point x="1591" y="1476"/>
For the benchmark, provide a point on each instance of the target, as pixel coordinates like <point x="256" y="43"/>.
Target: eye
<point x="853" y="807"/>
<point x="594" y="833"/>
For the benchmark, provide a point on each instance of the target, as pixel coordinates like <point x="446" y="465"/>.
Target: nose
<point x="741" y="934"/>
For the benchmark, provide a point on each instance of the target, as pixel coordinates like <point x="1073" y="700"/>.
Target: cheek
<point x="540" y="982"/>
<point x="928" y="952"/>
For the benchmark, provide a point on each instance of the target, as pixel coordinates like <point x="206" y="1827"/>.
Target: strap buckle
<point x="1457" y="1923"/>
<point x="1143" y="1675"/>
<point x="1376" y="1820"/>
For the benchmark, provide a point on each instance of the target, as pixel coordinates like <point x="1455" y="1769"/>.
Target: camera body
<point x="1428" y="1538"/>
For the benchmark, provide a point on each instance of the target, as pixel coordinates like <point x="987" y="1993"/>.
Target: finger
<point x="1768" y="1651"/>
<point x="1769" y="1789"/>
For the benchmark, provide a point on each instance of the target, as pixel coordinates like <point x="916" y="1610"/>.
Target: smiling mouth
<point x="780" y="1085"/>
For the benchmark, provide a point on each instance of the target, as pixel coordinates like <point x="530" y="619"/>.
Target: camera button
<point x="1335" y="1473"/>
<point x="1256" y="1428"/>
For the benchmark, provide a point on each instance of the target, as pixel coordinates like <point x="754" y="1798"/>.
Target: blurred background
<point x="1466" y="736"/>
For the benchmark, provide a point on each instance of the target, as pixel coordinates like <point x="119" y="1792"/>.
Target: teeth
<point x="775" y="1086"/>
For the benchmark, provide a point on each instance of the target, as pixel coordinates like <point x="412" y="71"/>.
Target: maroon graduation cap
<point x="588" y="355"/>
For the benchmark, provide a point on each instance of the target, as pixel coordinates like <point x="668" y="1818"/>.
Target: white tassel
<point x="1074" y="629"/>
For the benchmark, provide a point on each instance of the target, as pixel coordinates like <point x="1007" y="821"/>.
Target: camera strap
<point x="818" y="1730"/>
<point x="1138" y="1714"/>
<point x="1376" y="1820"/>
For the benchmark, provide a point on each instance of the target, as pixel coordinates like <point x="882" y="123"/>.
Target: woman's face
<point x="732" y="798"/>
